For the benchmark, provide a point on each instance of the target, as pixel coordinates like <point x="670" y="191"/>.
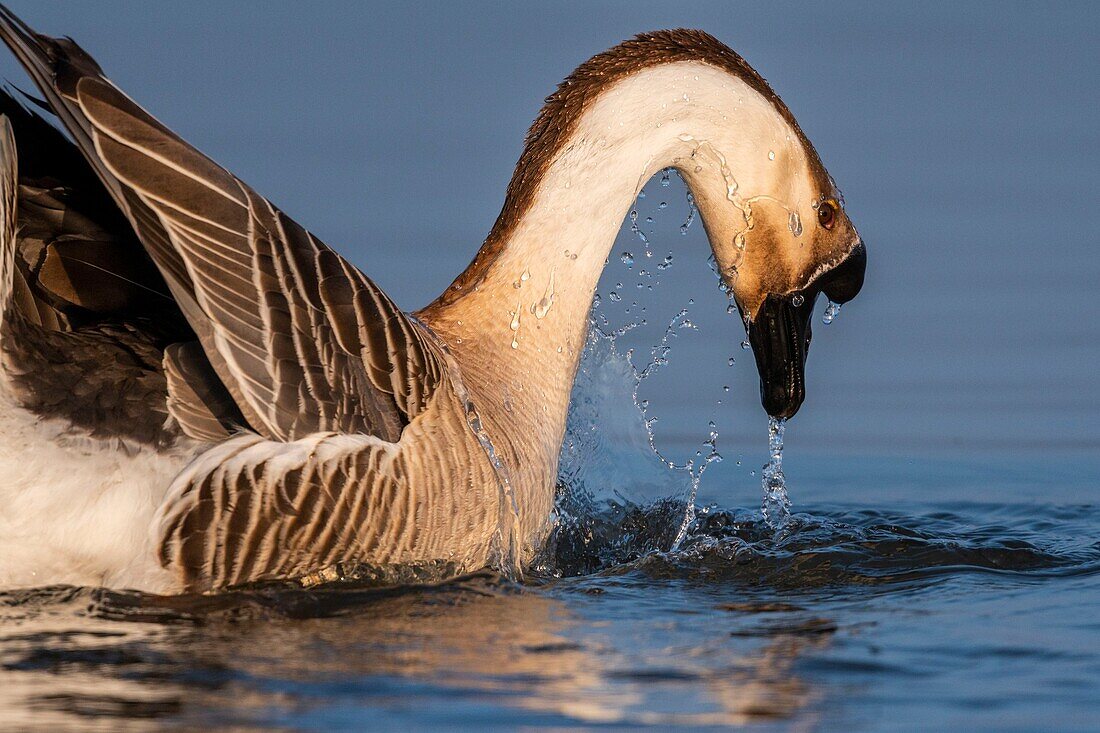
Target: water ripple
<point x="838" y="547"/>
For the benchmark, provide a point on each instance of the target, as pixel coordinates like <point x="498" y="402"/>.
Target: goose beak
<point x="780" y="334"/>
<point x="780" y="338"/>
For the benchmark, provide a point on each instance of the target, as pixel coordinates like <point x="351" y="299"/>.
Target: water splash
<point x="635" y="229"/>
<point x="658" y="356"/>
<point x="609" y="459"/>
<point x="696" y="470"/>
<point x="610" y="452"/>
<point x="692" y="212"/>
<point x="776" y="505"/>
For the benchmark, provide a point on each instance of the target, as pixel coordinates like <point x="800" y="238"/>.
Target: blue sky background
<point x="965" y="138"/>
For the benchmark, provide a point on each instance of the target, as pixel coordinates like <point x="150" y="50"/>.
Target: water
<point x="776" y="505"/>
<point x="920" y="617"/>
<point x="940" y="569"/>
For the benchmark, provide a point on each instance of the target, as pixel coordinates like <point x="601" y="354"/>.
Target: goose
<point x="198" y="394"/>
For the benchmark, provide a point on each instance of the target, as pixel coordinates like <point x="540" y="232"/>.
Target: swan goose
<point x="199" y="394"/>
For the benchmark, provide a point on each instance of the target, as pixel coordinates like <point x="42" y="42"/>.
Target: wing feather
<point x="302" y="340"/>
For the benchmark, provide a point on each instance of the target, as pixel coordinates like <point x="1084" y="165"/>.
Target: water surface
<point x="960" y="616"/>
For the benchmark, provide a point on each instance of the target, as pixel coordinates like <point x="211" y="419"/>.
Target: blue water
<point x="943" y="566"/>
<point x="949" y="615"/>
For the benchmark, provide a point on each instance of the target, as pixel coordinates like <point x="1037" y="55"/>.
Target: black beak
<point x="843" y="282"/>
<point x="780" y="337"/>
<point x="780" y="334"/>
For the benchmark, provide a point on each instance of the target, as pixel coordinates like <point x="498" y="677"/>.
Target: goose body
<point x="244" y="405"/>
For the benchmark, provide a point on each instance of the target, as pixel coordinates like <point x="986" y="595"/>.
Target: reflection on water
<point x="265" y="659"/>
<point x="736" y="628"/>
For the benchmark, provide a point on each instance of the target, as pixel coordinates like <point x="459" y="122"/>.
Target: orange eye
<point x="826" y="214"/>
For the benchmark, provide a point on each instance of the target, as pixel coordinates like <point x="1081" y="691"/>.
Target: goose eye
<point x="826" y="215"/>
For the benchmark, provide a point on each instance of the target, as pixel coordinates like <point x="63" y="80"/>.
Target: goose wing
<point x="67" y="350"/>
<point x="302" y="340"/>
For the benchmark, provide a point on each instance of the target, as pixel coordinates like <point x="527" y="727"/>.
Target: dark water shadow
<point x="827" y="547"/>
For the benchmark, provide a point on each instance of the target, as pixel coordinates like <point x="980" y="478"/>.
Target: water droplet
<point x="692" y="211"/>
<point x="731" y="308"/>
<point x="634" y="227"/>
<point x="541" y="308"/>
<point x="797" y="300"/>
<point x="641" y="194"/>
<point x="745" y="344"/>
<point x="614" y="296"/>
<point x="525" y="276"/>
<point x="514" y="325"/>
<point x="731" y="361"/>
<point x="831" y="312"/>
<point x="771" y="155"/>
<point x="726" y="388"/>
<point x="665" y="177"/>
<point x="794" y="223"/>
<point x="627" y="259"/>
<point x="663" y="205"/>
<point x="649" y="220"/>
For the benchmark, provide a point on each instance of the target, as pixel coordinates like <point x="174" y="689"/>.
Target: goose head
<point x="775" y="265"/>
<point x="778" y="307"/>
<point x="779" y="233"/>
